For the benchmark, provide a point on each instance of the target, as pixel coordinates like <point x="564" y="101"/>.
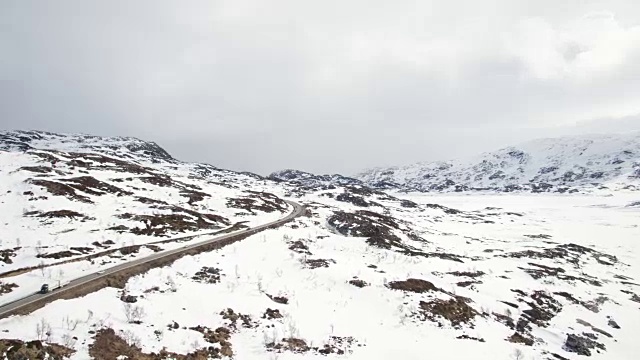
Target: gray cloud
<point x="328" y="87"/>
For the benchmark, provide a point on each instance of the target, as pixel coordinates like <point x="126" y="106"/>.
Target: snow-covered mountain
<point x="556" y="164"/>
<point x="56" y="190"/>
<point x="308" y="180"/>
<point x="364" y="274"/>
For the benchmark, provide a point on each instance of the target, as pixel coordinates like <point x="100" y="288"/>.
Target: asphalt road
<point x="79" y="282"/>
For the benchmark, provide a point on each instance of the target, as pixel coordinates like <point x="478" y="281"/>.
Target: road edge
<point x="119" y="278"/>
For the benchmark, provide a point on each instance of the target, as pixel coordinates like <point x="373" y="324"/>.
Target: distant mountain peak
<point x="557" y="164"/>
<point x="310" y="180"/>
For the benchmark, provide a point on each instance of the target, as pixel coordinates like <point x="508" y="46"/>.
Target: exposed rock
<point x="271" y="314"/>
<point x="471" y="274"/>
<point x="543" y="308"/>
<point x="505" y="320"/>
<point x="571" y="253"/>
<point x="279" y="299"/>
<point x="379" y="229"/>
<point x="408" y="204"/>
<point x="613" y="324"/>
<point x="581" y="345"/>
<point x="352" y="199"/>
<point x="209" y="275"/>
<point x="310" y="181"/>
<point x="467" y="337"/>
<point x="7" y="254"/>
<point x="130" y="299"/>
<point x="358" y="283"/>
<point x="299" y="247"/>
<point x="258" y="201"/>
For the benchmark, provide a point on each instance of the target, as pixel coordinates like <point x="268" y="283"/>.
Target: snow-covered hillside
<point x="546" y="165"/>
<point x="68" y="198"/>
<point x="365" y="274"/>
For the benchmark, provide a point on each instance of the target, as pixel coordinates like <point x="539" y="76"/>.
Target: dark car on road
<point x="44" y="289"/>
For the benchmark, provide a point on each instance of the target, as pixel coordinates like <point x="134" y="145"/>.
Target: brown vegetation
<point x="59" y="189"/>
<point x="32" y="350"/>
<point x="37" y="169"/>
<point x="233" y="318"/>
<point x="291" y="344"/>
<point x="106" y="163"/>
<point x="258" y="201"/>
<point x="572" y="253"/>
<point x="91" y="185"/>
<point x="7" y="254"/>
<point x="57" y="255"/>
<point x="539" y="271"/>
<point x="336" y="345"/>
<point x="455" y="310"/>
<point x="194" y="196"/>
<point x="413" y="285"/>
<point x="180" y="220"/>
<point x="219" y="336"/>
<point x="146" y="200"/>
<point x="380" y="231"/>
<point x="6" y="288"/>
<point x="317" y="263"/>
<point x="64" y="214"/>
<point x="518" y="338"/>
<point x="469" y="283"/>
<point x="109" y="346"/>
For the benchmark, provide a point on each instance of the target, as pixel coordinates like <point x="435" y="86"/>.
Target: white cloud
<point x="385" y="82"/>
<point x="591" y="46"/>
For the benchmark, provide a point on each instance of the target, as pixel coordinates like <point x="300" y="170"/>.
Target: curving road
<point x="99" y="275"/>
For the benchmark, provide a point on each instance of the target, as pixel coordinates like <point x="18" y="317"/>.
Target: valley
<point x="363" y="273"/>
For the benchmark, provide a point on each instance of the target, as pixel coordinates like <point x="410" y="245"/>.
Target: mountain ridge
<point x="563" y="164"/>
<point x="537" y="165"/>
<point x="115" y="146"/>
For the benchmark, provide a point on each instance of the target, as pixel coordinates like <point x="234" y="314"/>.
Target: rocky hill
<point x="311" y="181"/>
<point x="546" y="165"/>
<point x="68" y="197"/>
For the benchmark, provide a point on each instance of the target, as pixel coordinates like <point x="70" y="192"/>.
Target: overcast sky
<point x="324" y="86"/>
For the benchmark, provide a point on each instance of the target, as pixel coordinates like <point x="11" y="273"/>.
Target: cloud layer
<point x="327" y="86"/>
